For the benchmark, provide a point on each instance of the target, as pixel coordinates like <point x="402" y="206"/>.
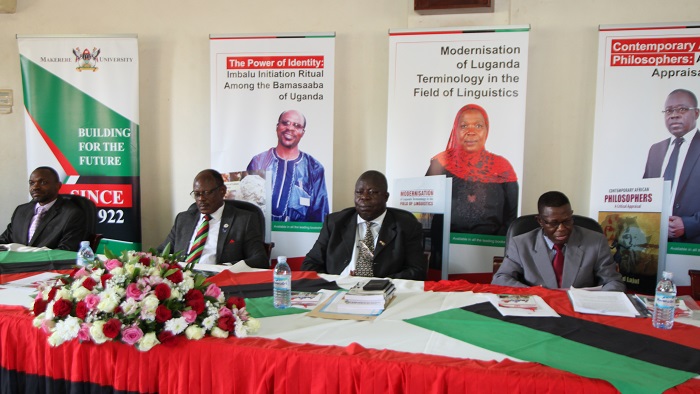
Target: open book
<point x="611" y="303"/>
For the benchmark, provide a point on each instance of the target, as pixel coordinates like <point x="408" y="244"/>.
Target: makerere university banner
<point x="81" y="98"/>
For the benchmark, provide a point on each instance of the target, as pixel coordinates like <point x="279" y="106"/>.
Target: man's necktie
<point x="558" y="262"/>
<point x="40" y="211"/>
<point x="670" y="172"/>
<point x="365" y="257"/>
<point x="199" y="240"/>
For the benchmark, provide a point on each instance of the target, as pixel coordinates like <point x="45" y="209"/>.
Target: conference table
<point x="295" y="353"/>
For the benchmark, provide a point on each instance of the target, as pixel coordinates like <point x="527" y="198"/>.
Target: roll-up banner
<point x="647" y="89"/>
<point x="457" y="108"/>
<point x="272" y="129"/>
<point x="81" y="98"/>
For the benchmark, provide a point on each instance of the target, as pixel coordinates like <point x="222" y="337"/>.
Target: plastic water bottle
<point x="85" y="255"/>
<point x="282" y="286"/>
<point x="664" y="302"/>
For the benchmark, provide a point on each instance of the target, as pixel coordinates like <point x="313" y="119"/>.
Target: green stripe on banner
<point x="498" y="241"/>
<point x="626" y="374"/>
<point x="38" y="256"/>
<point x="61" y="110"/>
<point x="297" y="227"/>
<point x="683" y="248"/>
<point x="263" y="307"/>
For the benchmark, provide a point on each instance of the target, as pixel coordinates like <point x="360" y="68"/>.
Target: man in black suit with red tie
<point x="48" y="220"/>
<point x="679" y="158"/>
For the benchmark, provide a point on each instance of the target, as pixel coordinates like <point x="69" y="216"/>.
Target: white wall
<point x="174" y="67"/>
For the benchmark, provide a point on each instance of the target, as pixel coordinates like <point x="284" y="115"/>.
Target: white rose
<point x="117" y="271"/>
<point x="36" y="322"/>
<point x="194" y="332"/>
<point x="253" y="325"/>
<point x="55" y="339"/>
<point x="64" y="293"/>
<point x="107" y="304"/>
<point x="175" y="294"/>
<point x="96" y="332"/>
<point x="219" y="333"/>
<point x="150" y="303"/>
<point x="130" y="268"/>
<point x="80" y="293"/>
<point x="147" y="342"/>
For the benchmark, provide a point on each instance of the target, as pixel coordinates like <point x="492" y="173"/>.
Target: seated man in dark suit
<point x="559" y="254"/>
<point x="213" y="231"/>
<point x="391" y="247"/>
<point x="47" y="220"/>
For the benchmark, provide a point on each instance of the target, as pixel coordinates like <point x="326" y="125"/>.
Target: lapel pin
<point x="382" y="242"/>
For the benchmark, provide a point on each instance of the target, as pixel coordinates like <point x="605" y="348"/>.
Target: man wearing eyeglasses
<point x="559" y="254"/>
<point x="298" y="180"/>
<point x="677" y="159"/>
<point x="369" y="239"/>
<point x="213" y="231"/>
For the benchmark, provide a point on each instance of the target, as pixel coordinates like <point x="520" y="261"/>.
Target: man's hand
<point x="676" y="229"/>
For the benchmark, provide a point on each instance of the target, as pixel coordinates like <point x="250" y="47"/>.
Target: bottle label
<point x="665" y="301"/>
<point x="282" y="282"/>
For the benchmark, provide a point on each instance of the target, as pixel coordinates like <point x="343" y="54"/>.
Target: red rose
<point x="165" y="336"/>
<point x="227" y="323"/>
<point x="145" y="261"/>
<point x="238" y="302"/>
<point x="52" y="293"/>
<point x="194" y="294"/>
<point x="162" y="291"/>
<point x="104" y="278"/>
<point x="175" y="277"/>
<point x="39" y="306"/>
<point x="81" y="310"/>
<point x="61" y="308"/>
<point x="89" y="283"/>
<point x="111" y="328"/>
<point x="163" y="314"/>
<point x="196" y="305"/>
<point x="118" y="309"/>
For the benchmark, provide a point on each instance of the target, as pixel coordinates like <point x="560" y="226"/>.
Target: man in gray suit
<point x="230" y="234"/>
<point x="48" y="220"/>
<point x="680" y="161"/>
<point x="531" y="258"/>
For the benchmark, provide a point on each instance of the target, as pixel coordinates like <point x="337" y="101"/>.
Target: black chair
<point x="527" y="223"/>
<point x="249" y="206"/>
<point x="90" y="218"/>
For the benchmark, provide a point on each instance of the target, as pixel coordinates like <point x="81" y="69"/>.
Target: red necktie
<point x="558" y="263"/>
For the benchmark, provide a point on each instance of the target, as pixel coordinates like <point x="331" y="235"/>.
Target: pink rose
<point x="190" y="316"/>
<point x="84" y="333"/>
<point x="91" y="301"/>
<point x="80" y="273"/>
<point x="131" y="335"/>
<point x="224" y="311"/>
<point x="133" y="291"/>
<point x="213" y="291"/>
<point x="112" y="264"/>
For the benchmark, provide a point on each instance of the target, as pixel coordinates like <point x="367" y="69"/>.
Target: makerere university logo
<point x="87" y="61"/>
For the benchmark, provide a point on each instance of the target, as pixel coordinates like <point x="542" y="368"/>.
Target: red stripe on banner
<point x="65" y="164"/>
<point x="228" y="278"/>
<point x="104" y="195"/>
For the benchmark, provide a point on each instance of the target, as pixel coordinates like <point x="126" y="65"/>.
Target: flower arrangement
<point x="141" y="299"/>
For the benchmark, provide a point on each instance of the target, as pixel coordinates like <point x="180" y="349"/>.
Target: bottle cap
<point x="667" y="275"/>
<point x="281" y="258"/>
<point x="84" y="243"/>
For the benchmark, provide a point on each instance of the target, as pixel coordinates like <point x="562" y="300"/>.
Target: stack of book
<point x="368" y="297"/>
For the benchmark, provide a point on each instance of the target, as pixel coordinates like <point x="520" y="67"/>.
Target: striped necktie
<point x="199" y="240"/>
<point x="40" y="211"/>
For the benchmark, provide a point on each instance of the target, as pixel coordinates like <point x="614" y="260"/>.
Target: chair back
<point x="90" y="210"/>
<point x="527" y="223"/>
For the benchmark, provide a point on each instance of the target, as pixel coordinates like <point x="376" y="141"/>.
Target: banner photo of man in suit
<point x="646" y="127"/>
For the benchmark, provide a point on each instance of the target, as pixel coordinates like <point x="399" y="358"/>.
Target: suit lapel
<point x="540" y="253"/>
<point x="573" y="257"/>
<point x="226" y="225"/>
<point x="387" y="233"/>
<point x="691" y="159"/>
<point x="348" y="236"/>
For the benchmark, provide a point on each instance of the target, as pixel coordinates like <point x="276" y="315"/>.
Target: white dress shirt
<point x="360" y="235"/>
<point x="209" y="252"/>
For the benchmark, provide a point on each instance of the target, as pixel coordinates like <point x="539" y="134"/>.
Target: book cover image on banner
<point x="81" y="98"/>
<point x="630" y="213"/>
<point x="457" y="108"/>
<point x="647" y="89"/>
<point x="272" y="116"/>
